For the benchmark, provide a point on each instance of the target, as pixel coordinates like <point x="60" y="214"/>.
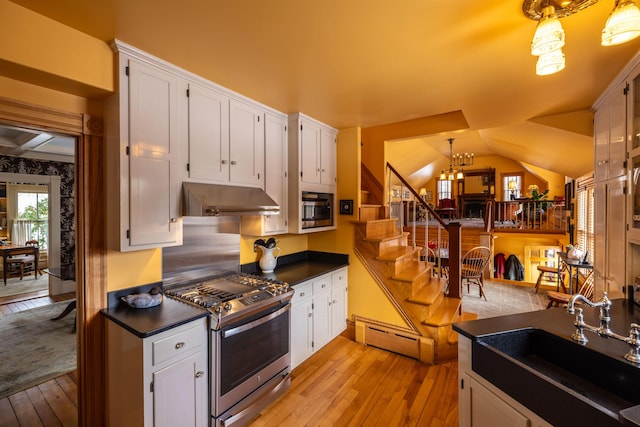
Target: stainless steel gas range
<point x="248" y="335"/>
<point x="249" y="342"/>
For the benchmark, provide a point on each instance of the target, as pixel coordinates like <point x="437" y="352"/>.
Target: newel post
<point x="455" y="247"/>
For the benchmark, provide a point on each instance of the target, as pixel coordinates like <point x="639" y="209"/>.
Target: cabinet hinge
<point x="286" y="222"/>
<point x="625" y="91"/>
<point x="300" y="174"/>
<point x="462" y="384"/>
<point x="286" y="174"/>
<point x="188" y="165"/>
<point x="187" y="93"/>
<point x="624" y="190"/>
<point x="624" y="164"/>
<point x="285" y="128"/>
<point x="126" y="70"/>
<point x="313" y="344"/>
<point x="127" y="152"/>
<point x="128" y="234"/>
<point x="258" y="118"/>
<point x="300" y="126"/>
<point x="151" y="387"/>
<point x="258" y="175"/>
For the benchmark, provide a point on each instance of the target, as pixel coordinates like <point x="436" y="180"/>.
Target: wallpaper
<point x="65" y="171"/>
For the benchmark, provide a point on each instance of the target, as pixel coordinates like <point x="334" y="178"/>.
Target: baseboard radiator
<point x="388" y="338"/>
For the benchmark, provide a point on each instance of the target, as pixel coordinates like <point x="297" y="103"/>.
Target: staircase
<point x="411" y="285"/>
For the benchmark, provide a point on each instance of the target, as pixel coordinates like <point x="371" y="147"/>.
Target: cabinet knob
<point x="233" y="162"/>
<point x="302" y="294"/>
<point x="173" y="220"/>
<point x="224" y="162"/>
<point x="179" y="345"/>
<point x="199" y="374"/>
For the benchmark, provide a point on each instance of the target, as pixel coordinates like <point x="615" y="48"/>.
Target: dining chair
<point x="472" y="267"/>
<point x="558" y="299"/>
<point x="552" y="274"/>
<point x="23" y="264"/>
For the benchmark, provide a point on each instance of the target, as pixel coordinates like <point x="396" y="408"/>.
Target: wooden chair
<point x="23" y="264"/>
<point x="552" y="274"/>
<point x="559" y="299"/>
<point x="473" y="265"/>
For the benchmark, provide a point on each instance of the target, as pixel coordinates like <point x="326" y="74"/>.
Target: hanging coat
<point x="513" y="269"/>
<point x="498" y="265"/>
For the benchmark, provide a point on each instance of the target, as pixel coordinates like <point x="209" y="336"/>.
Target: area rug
<point x="34" y="349"/>
<point x="15" y="286"/>
<point x="502" y="299"/>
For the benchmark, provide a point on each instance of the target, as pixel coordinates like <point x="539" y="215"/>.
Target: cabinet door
<point x="480" y="407"/>
<point x="610" y="137"/>
<point x="153" y="155"/>
<point x="338" y="310"/>
<point x="327" y="157"/>
<point x="321" y="312"/>
<point x="301" y="331"/>
<point x="275" y="172"/>
<point x="310" y="152"/>
<point x="208" y="134"/>
<point x="246" y="144"/>
<point x="178" y="392"/>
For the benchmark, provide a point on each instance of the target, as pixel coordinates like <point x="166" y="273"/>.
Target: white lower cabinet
<point x="161" y="380"/>
<point x="480" y="403"/>
<point x="318" y="314"/>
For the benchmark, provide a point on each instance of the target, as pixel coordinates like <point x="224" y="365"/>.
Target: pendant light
<point x="550" y="63"/>
<point x="549" y="35"/>
<point x="622" y="25"/>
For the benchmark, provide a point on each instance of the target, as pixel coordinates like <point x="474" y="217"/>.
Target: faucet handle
<point x="633" y="355"/>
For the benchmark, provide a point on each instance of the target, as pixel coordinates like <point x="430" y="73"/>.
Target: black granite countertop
<point x="560" y="323"/>
<point x="145" y="322"/>
<point x="302" y="266"/>
<point x="293" y="269"/>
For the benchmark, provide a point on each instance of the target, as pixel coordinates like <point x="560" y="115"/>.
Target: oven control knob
<point x="227" y="306"/>
<point x="217" y="309"/>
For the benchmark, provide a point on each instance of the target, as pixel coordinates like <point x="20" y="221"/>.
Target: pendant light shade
<point x="622" y="25"/>
<point x="549" y="35"/>
<point x="550" y="63"/>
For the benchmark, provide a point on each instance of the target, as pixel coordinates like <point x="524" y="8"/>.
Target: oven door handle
<point x="255" y="323"/>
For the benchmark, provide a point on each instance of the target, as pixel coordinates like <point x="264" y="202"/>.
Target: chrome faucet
<point x="633" y="355"/>
<point x="605" y="312"/>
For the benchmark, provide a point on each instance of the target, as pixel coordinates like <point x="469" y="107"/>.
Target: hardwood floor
<point x="343" y="384"/>
<point x="350" y="384"/>
<point x="53" y="403"/>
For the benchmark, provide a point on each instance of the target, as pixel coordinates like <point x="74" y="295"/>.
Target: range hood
<point x="225" y="200"/>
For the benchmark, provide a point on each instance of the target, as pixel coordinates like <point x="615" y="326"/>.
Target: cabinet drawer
<point x="339" y="278"/>
<point x="301" y="292"/>
<point x="175" y="345"/>
<point x="321" y="285"/>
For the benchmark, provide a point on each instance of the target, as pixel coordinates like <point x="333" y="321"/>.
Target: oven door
<point x="249" y="355"/>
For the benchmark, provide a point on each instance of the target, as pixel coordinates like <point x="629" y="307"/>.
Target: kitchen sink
<point x="562" y="381"/>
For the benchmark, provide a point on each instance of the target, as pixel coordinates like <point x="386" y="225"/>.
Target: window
<point x="585" y="212"/>
<point x="511" y="187"/>
<point x="444" y="189"/>
<point x="33" y="215"/>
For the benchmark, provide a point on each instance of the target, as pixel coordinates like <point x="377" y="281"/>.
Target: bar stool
<point x="552" y="274"/>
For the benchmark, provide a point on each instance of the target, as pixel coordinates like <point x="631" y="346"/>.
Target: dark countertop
<point x="301" y="266"/>
<point x="558" y="322"/>
<point x="145" y="322"/>
<point x="293" y="269"/>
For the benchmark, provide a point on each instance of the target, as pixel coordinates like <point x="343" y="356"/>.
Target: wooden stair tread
<point x="415" y="270"/>
<point x="429" y="294"/>
<point x="387" y="238"/>
<point x="369" y="221"/>
<point x="398" y="253"/>
<point x="446" y="314"/>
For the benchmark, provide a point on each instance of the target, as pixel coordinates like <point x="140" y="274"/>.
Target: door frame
<point x="91" y="282"/>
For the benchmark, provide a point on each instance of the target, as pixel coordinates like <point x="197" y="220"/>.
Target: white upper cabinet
<point x="208" y="120"/>
<point x="610" y="135"/>
<point x="142" y="156"/>
<point x="246" y="144"/>
<point x="312" y="148"/>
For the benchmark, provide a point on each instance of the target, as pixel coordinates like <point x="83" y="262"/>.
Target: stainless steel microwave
<point x="317" y="209"/>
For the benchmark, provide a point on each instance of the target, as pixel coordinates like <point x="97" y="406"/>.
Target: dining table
<point x="10" y="250"/>
<point x="574" y="265"/>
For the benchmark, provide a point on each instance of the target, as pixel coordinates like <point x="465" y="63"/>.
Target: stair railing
<point x="453" y="228"/>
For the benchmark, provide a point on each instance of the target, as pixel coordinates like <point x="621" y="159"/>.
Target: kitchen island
<point x="525" y="369"/>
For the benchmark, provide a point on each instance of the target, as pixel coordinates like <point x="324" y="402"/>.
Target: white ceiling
<point x="20" y="142"/>
<point x="373" y="62"/>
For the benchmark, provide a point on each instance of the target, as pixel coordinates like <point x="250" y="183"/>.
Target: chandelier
<point x="459" y="161"/>
<point x="622" y="26"/>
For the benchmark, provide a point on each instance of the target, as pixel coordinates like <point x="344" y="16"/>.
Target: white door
<point x="246" y="144"/>
<point x="208" y="134"/>
<point x="301" y="331"/>
<point x="276" y="182"/>
<point x="153" y="154"/>
<point x="327" y="157"/>
<point x="310" y="152"/>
